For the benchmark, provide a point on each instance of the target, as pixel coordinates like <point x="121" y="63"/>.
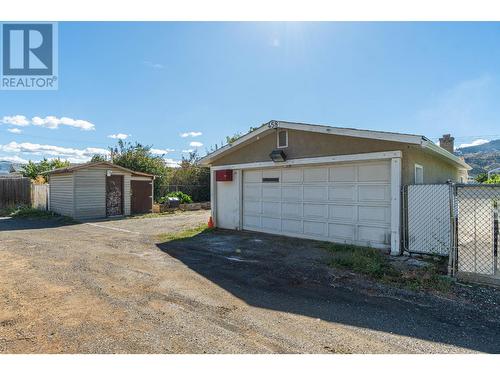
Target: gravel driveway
<point x="110" y="287"/>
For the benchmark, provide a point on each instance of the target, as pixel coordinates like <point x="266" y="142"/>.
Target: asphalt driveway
<point x="112" y="287"/>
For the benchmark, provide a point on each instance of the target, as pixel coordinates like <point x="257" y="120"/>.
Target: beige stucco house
<point x="99" y="190"/>
<point x="322" y="182"/>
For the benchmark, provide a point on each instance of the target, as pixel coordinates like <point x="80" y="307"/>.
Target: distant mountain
<point x="482" y="157"/>
<point x="491" y="146"/>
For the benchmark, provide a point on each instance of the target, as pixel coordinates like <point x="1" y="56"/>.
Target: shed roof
<point x="99" y="163"/>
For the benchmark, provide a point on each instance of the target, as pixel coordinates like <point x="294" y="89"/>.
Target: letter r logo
<point x="27" y="49"/>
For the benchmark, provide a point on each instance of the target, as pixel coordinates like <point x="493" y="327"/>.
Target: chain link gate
<point x="476" y="241"/>
<point x="428" y="219"/>
<point x="458" y="220"/>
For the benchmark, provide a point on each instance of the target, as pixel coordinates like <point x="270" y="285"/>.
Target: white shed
<point x="98" y="190"/>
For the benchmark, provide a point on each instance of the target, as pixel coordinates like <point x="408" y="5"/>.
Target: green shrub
<point x="183" y="198"/>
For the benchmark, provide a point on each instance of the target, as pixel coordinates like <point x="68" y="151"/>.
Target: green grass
<point x="376" y="265"/>
<point x="26" y="212"/>
<point x="185" y="234"/>
<point x="153" y="215"/>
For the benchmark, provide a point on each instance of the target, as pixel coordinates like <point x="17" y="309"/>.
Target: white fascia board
<point x="318" y="160"/>
<point x="349" y="132"/>
<point x="323" y="129"/>
<point x="426" y="144"/>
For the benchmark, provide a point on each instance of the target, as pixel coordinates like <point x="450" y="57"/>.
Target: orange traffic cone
<point x="210" y="222"/>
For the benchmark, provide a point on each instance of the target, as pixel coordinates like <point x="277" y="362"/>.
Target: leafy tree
<point x="36" y="171"/>
<point x="481" y="177"/>
<point x="98" y="158"/>
<point x="138" y="157"/>
<point x="191" y="178"/>
<point x="494" y="179"/>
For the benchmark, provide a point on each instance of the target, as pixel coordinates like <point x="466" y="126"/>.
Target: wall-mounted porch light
<point x="277" y="155"/>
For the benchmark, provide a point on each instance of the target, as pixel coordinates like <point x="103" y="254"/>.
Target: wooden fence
<point x="15" y="191"/>
<point x="20" y="191"/>
<point x="40" y="197"/>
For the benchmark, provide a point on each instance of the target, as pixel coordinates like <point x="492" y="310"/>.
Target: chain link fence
<point x="427" y="220"/>
<point x="199" y="193"/>
<point x="476" y="247"/>
<point x="460" y="220"/>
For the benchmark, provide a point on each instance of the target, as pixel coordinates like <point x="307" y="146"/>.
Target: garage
<point x="348" y="203"/>
<point x="323" y="182"/>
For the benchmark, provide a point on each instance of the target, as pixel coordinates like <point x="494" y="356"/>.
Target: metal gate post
<point x="452" y="260"/>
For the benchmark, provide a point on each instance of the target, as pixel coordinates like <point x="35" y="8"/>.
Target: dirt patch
<point x="113" y="287"/>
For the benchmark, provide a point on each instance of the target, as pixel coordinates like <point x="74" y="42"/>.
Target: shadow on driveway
<point x="290" y="275"/>
<point x="15" y="223"/>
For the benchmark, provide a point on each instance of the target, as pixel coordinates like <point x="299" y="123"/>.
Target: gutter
<point x="427" y="144"/>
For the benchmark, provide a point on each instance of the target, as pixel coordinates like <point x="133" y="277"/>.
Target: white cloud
<point x="153" y="65"/>
<point x="15" y="130"/>
<point x="53" y="122"/>
<point x="72" y="154"/>
<point x="187" y="151"/>
<point x="172" y="163"/>
<point x="159" y="151"/>
<point x="13" y="159"/>
<point x="17" y="120"/>
<point x="119" y="136"/>
<point x="196" y="144"/>
<point x="476" y="142"/>
<point x="191" y="134"/>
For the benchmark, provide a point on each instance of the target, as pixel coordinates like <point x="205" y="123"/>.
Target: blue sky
<point x="153" y="82"/>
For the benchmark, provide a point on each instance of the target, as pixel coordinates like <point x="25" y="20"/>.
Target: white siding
<point x="61" y="194"/>
<point x="90" y="192"/>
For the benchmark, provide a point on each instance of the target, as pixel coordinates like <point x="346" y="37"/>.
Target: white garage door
<point x="348" y="203"/>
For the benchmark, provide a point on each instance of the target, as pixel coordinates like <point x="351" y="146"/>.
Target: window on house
<point x="419" y="174"/>
<point x="282" y="138"/>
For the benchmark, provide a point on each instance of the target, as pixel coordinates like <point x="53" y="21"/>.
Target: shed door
<point x="347" y="203"/>
<point x="142" y="200"/>
<point x="114" y="195"/>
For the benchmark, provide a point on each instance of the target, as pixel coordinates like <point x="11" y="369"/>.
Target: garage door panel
<point x="271" y="173"/>
<point x="375" y="235"/>
<point x="271" y="193"/>
<point x="252" y="176"/>
<point x="253" y="207"/>
<point x="252" y="192"/>
<point x="290" y="175"/>
<point x="315" y="193"/>
<point x="373" y="193"/>
<point x="345" y="193"/>
<point x="374" y="214"/>
<point x="315" y="211"/>
<point x="291" y="210"/>
<point x="344" y="173"/>
<point x="272" y="209"/>
<point x="292" y="226"/>
<point x="251" y="221"/>
<point x="341" y="212"/>
<point x="341" y="231"/>
<point x="272" y="224"/>
<point x="292" y="193"/>
<point x="315" y="228"/>
<point x="373" y="172"/>
<point x="316" y="174"/>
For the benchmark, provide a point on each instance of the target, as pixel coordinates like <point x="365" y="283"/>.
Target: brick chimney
<point x="447" y="142"/>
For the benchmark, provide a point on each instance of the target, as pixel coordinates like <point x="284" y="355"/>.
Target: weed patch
<point x="375" y="264"/>
<point x="188" y="233"/>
